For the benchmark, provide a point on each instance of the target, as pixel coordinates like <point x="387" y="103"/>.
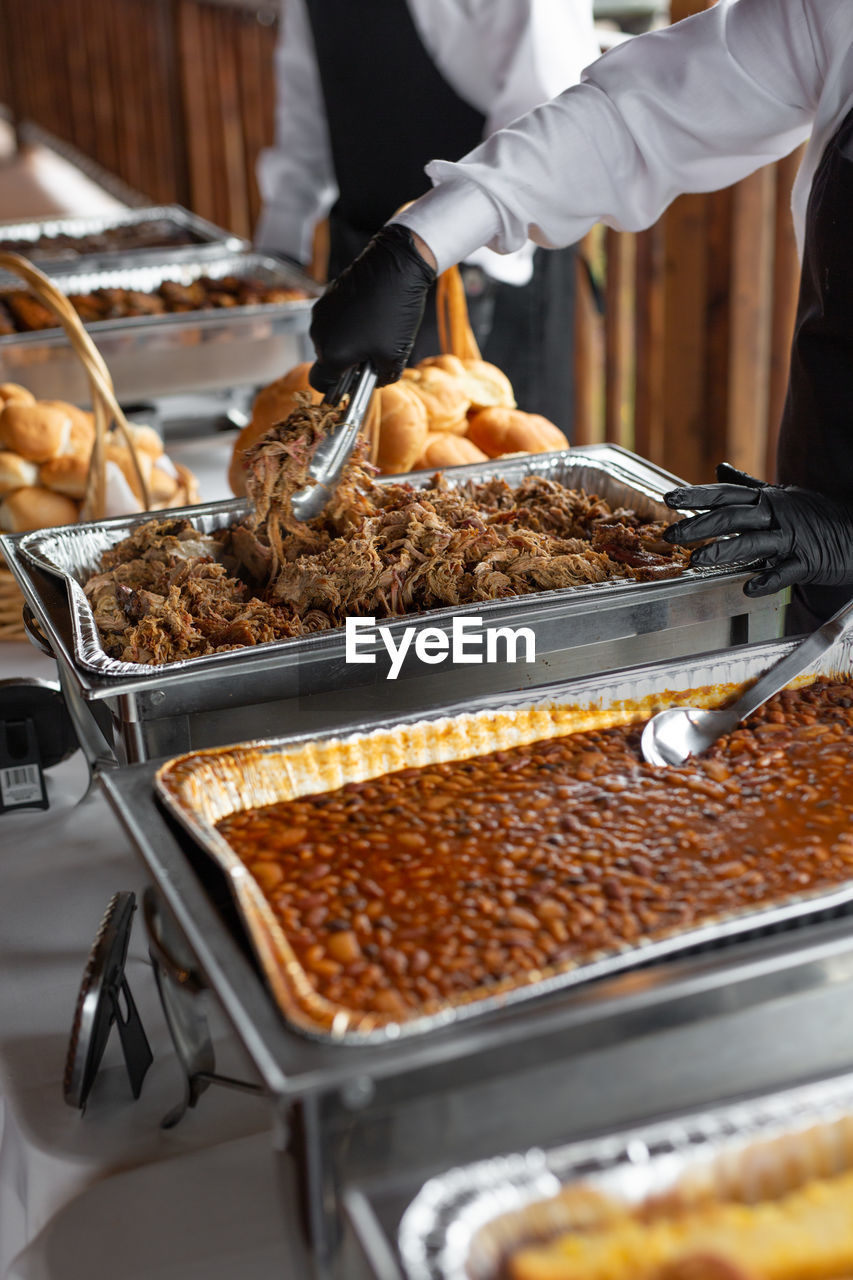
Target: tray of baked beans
<point x="759" y="1190"/>
<point x="403" y="876"/>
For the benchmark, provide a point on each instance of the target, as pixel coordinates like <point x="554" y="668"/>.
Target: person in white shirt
<point x="367" y="95"/>
<point x="693" y="107"/>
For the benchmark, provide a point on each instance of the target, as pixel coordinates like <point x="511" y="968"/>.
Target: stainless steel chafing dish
<point x="174" y="353"/>
<point x="201" y="789"/>
<point x="129" y="712"/>
<point x="464" y="1224"/>
<point x="361" y="1128"/>
<point x="202" y="236"/>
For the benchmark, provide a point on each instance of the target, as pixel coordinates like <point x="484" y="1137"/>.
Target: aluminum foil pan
<point x="147" y="276"/>
<point x="463" y="1224"/>
<point x="616" y="475"/>
<point x="203" y="787"/>
<point x="31" y="230"/>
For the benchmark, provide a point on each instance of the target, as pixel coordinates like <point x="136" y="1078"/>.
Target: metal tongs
<point x="334" y="452"/>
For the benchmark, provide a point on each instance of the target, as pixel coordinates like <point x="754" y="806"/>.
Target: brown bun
<point x="13" y="391"/>
<point x="488" y="386"/>
<point x="163" y="487"/>
<point x="66" y="474"/>
<point x="120" y="455"/>
<point x="145" y="439"/>
<point x="444" y="395"/>
<point x="499" y="431"/>
<point x="403" y="428"/>
<point x="82" y="425"/>
<point x="16" y="472"/>
<point x="35" y="508"/>
<point x="34" y="432"/>
<point x="446" y="450"/>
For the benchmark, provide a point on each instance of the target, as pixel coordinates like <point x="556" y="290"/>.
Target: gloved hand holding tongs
<point x="333" y="452"/>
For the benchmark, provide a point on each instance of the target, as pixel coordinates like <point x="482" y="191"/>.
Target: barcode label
<point x="20" y="785"/>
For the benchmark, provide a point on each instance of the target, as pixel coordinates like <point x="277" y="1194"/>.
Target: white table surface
<point x="108" y="1192"/>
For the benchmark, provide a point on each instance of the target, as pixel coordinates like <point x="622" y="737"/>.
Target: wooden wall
<point x="687" y="363"/>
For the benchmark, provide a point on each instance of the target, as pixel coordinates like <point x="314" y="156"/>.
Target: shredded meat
<point x="170" y="592"/>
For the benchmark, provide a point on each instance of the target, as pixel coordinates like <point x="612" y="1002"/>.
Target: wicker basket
<point x="105" y="408"/>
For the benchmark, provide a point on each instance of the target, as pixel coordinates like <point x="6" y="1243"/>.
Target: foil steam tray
<point x="201" y="788"/>
<point x="29" y="231"/>
<point x="621" y="478"/>
<point x="175" y="353"/>
<point x="464" y="1223"/>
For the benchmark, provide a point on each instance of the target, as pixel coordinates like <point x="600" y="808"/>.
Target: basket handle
<point x="105" y="407"/>
<point x="454" y="327"/>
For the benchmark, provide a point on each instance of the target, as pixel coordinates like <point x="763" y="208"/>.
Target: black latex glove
<point x="801" y="536"/>
<point x="372" y="311"/>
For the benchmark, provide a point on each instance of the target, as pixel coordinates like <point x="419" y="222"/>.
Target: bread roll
<point x="488" y="386"/>
<point x="444" y="395"/>
<point x="446" y="450"/>
<point x="82" y="422"/>
<point x="485" y="384"/>
<point x="402" y="429"/>
<point x="163" y="482"/>
<point x="499" y="431"/>
<point x="13" y="391"/>
<point x="16" y="472"/>
<point x="121" y="456"/>
<point x="145" y="439"/>
<point x="33" y="431"/>
<point x="35" y="508"/>
<point x="66" y="474"/>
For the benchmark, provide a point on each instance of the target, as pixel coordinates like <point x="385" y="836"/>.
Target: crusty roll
<point x="403" y="428"/>
<point x="120" y="455"/>
<point x="164" y="482"/>
<point x="66" y="474"/>
<point x="82" y="435"/>
<point x="16" y="472"/>
<point x="485" y="384"/>
<point x="13" y="391"/>
<point x="499" y="431"/>
<point x="488" y="386"/>
<point x="35" y="508"/>
<point x="443" y="449"/>
<point x="35" y="432"/>
<point x="444" y="395"/>
<point x="145" y="439"/>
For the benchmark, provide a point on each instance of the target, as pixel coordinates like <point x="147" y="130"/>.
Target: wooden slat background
<point x="687" y="360"/>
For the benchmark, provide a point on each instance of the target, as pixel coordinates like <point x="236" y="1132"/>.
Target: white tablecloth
<point x="109" y="1193"/>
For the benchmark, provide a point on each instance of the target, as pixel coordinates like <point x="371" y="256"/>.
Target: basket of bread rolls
<point x="60" y="463"/>
<point x="450" y="409"/>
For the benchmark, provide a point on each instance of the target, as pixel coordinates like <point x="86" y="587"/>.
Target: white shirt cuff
<point x="454" y="219"/>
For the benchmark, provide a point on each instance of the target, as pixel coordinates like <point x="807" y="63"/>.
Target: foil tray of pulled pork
<point x="154" y="594"/>
<point x="760" y="1188"/>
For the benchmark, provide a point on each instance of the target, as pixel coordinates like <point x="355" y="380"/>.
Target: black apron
<point x="389" y="112"/>
<point x="816" y="434"/>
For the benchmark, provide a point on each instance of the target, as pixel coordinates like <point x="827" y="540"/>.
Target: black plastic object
<point x="105" y="998"/>
<point x="26" y="698"/>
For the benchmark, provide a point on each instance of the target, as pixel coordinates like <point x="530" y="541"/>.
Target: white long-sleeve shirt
<point x="693" y="107"/>
<point x="503" y="57"/>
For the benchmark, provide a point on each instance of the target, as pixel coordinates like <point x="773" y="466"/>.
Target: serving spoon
<point x="672" y="736"/>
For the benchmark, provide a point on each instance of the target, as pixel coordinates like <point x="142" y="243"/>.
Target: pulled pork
<point x="169" y="592"/>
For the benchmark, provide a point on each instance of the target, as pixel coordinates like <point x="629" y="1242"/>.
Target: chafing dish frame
<point x="158" y="711"/>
